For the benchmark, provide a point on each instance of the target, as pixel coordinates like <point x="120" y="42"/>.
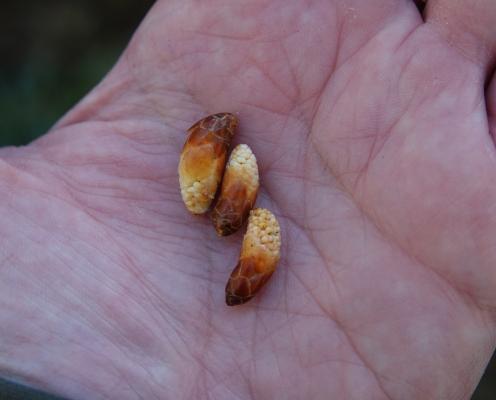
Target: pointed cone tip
<point x="233" y="300"/>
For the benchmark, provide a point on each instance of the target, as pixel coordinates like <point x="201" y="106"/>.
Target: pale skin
<point x="373" y="131"/>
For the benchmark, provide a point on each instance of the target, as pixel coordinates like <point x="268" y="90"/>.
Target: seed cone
<point x="260" y="254"/>
<point x="238" y="191"/>
<point x="203" y="159"/>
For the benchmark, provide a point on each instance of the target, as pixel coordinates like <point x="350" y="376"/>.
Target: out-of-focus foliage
<point x="52" y="52"/>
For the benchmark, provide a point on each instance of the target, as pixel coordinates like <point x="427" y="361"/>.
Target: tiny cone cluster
<point x="202" y="168"/>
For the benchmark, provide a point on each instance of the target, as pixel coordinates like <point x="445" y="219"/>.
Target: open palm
<point x="372" y="135"/>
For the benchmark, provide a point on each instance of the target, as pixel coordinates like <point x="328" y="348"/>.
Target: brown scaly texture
<point x="260" y="253"/>
<point x="238" y="192"/>
<point x="203" y="160"/>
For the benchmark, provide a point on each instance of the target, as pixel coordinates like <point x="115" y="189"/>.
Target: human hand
<point x="375" y="151"/>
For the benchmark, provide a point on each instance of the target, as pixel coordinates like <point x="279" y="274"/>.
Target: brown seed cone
<point x="260" y="254"/>
<point x="238" y="191"/>
<point x="203" y="160"/>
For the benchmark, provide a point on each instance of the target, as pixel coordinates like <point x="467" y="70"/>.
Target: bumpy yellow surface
<point x="244" y="164"/>
<point x="197" y="195"/>
<point x="263" y="235"/>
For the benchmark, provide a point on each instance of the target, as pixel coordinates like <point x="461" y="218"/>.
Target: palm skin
<point x="374" y="149"/>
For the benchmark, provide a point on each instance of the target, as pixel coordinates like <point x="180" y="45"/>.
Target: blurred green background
<point x="52" y="53"/>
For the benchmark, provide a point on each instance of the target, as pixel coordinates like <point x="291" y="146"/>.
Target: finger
<point x="469" y="26"/>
